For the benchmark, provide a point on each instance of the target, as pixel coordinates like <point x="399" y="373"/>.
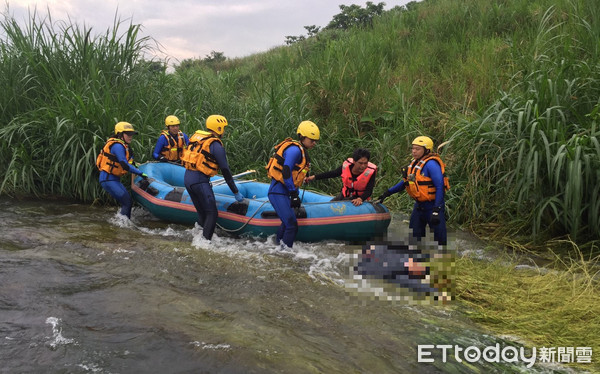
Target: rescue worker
<point x="425" y="181"/>
<point x="114" y="161"/>
<point x="287" y="169"/>
<point x="358" y="177"/>
<point x="203" y="158"/>
<point x="171" y="142"/>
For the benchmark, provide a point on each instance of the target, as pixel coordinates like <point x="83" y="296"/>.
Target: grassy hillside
<point x="511" y="87"/>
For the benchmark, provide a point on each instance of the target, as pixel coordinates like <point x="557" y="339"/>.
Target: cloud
<point x="194" y="28"/>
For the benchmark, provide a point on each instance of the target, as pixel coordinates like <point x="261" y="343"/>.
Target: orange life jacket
<point x="356" y="188"/>
<point x="275" y="165"/>
<point x="174" y="149"/>
<point x="418" y="186"/>
<point x="197" y="156"/>
<point x="108" y="162"/>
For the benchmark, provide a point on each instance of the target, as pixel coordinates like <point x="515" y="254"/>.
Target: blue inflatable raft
<point x="319" y="218"/>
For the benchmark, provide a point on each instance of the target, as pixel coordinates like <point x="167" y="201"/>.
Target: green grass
<point x="510" y="87"/>
<point x="532" y="159"/>
<point x="557" y="305"/>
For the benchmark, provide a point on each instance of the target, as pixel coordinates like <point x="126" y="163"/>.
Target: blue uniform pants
<point x="421" y="217"/>
<point x="289" y="224"/>
<point x="198" y="186"/>
<point x="116" y="189"/>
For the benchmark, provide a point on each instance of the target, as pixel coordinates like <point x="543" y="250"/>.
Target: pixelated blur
<point x="404" y="271"/>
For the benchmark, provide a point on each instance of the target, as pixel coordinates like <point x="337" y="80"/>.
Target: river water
<point x="84" y="291"/>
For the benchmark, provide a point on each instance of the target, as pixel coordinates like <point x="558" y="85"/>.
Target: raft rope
<point x="258" y="209"/>
<point x="254" y="214"/>
<point x="264" y="202"/>
<point x="247" y="221"/>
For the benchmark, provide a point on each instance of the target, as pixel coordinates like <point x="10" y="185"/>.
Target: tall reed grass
<point x="533" y="159"/>
<point x="436" y="69"/>
<point x="62" y="91"/>
<point x="511" y="87"/>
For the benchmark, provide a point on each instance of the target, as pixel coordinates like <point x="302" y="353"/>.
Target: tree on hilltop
<point x="355" y="16"/>
<point x="350" y="16"/>
<point x="211" y="60"/>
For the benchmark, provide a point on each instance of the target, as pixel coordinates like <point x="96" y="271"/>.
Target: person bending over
<point x="202" y="159"/>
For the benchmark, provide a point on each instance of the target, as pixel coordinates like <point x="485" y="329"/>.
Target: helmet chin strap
<point x="220" y="136"/>
<point x="301" y="139"/>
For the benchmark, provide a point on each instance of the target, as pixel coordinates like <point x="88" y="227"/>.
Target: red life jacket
<point x="356" y="188"/>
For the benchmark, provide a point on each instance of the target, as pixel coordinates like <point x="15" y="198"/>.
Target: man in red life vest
<point x="358" y="177"/>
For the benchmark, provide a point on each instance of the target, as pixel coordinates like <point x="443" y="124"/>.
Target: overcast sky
<point x="194" y="28"/>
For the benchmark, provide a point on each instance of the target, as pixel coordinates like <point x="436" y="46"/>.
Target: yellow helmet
<point x="172" y="121"/>
<point x="309" y="129"/>
<point x="124" y="127"/>
<point x="424" y="141"/>
<point x="216" y="123"/>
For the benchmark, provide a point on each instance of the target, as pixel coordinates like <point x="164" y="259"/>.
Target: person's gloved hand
<point x="383" y="196"/>
<point x="144" y="176"/>
<point x="239" y="197"/>
<point x="163" y="159"/>
<point x="435" y="216"/>
<point x="294" y="199"/>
